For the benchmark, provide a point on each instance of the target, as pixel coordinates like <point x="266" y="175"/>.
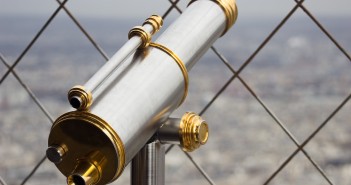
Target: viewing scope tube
<point x="123" y="105"/>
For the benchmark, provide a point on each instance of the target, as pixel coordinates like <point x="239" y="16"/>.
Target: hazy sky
<point x="143" y="8"/>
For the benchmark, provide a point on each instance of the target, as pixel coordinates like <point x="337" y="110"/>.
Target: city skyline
<point x="300" y="75"/>
<point x="136" y="8"/>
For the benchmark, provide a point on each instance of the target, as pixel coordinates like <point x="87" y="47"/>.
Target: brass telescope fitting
<point x="56" y="153"/>
<point x="230" y="10"/>
<point x="85" y="173"/>
<point x="135" y="92"/>
<point x="92" y="152"/>
<point x="155" y="21"/>
<point x="190" y="132"/>
<point x="83" y="146"/>
<point x="193" y="131"/>
<point x="142" y="33"/>
<point x="80" y="98"/>
<point x="88" y="170"/>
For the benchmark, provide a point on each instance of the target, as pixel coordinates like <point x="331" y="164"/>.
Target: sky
<point x="143" y="8"/>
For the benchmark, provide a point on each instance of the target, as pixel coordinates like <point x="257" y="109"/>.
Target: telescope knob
<point x="55" y="153"/>
<point x="193" y="131"/>
<point x="190" y="131"/>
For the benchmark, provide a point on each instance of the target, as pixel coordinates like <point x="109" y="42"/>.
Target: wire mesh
<point x="235" y="75"/>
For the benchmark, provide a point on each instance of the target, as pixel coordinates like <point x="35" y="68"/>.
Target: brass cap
<point x="156" y="22"/>
<point x="55" y="153"/>
<point x="140" y="32"/>
<point x="80" y="98"/>
<point x="230" y="10"/>
<point x="193" y="131"/>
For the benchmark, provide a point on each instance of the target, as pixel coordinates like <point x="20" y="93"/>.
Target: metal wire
<point x="308" y="139"/>
<point x="270" y="113"/>
<point x="253" y="55"/>
<point x="29" y="91"/>
<point x="174" y="4"/>
<point x="300" y="147"/>
<point x="299" y="4"/>
<point x="2" y="181"/>
<point x="320" y="26"/>
<point x="222" y="58"/>
<point x="39" y="104"/>
<point x="199" y="168"/>
<point x="97" y="47"/>
<point x="11" y="69"/>
<point x="169" y="148"/>
<point x="34" y="170"/>
<point x="33" y="41"/>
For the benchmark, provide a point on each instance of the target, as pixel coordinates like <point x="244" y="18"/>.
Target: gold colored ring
<point x="103" y="128"/>
<point x="193" y="131"/>
<point x="144" y="35"/>
<point x="230" y="9"/>
<point x="85" y="96"/>
<point x="180" y="64"/>
<point x="100" y="123"/>
<point x="155" y="21"/>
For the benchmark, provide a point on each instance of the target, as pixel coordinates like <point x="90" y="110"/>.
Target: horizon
<point x="113" y="9"/>
<point x="297" y="78"/>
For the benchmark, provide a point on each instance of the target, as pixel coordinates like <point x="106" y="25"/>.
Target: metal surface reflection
<point x="123" y="105"/>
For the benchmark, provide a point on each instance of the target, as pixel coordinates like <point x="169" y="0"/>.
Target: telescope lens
<point x="77" y="180"/>
<point x="76" y="102"/>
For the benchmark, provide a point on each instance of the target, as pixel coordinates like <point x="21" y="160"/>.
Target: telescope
<point x="125" y="106"/>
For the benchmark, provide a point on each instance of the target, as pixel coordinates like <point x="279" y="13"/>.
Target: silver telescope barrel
<point x="151" y="26"/>
<point x="81" y="97"/>
<point x="93" y="145"/>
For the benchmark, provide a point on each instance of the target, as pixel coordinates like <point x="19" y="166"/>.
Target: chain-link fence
<point x="275" y="93"/>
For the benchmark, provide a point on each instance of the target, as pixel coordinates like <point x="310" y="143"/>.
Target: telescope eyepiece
<point x="85" y="173"/>
<point x="76" y="102"/>
<point x="76" y="180"/>
<point x="80" y="98"/>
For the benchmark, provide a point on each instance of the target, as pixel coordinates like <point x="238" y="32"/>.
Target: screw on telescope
<point x="190" y="132"/>
<point x="55" y="153"/>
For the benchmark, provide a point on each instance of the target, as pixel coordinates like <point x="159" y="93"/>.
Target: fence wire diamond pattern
<point x="300" y="145"/>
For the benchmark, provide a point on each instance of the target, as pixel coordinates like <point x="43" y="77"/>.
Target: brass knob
<point x="193" y="131"/>
<point x="56" y="153"/>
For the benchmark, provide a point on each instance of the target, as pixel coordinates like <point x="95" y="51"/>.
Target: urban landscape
<point x="301" y="76"/>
